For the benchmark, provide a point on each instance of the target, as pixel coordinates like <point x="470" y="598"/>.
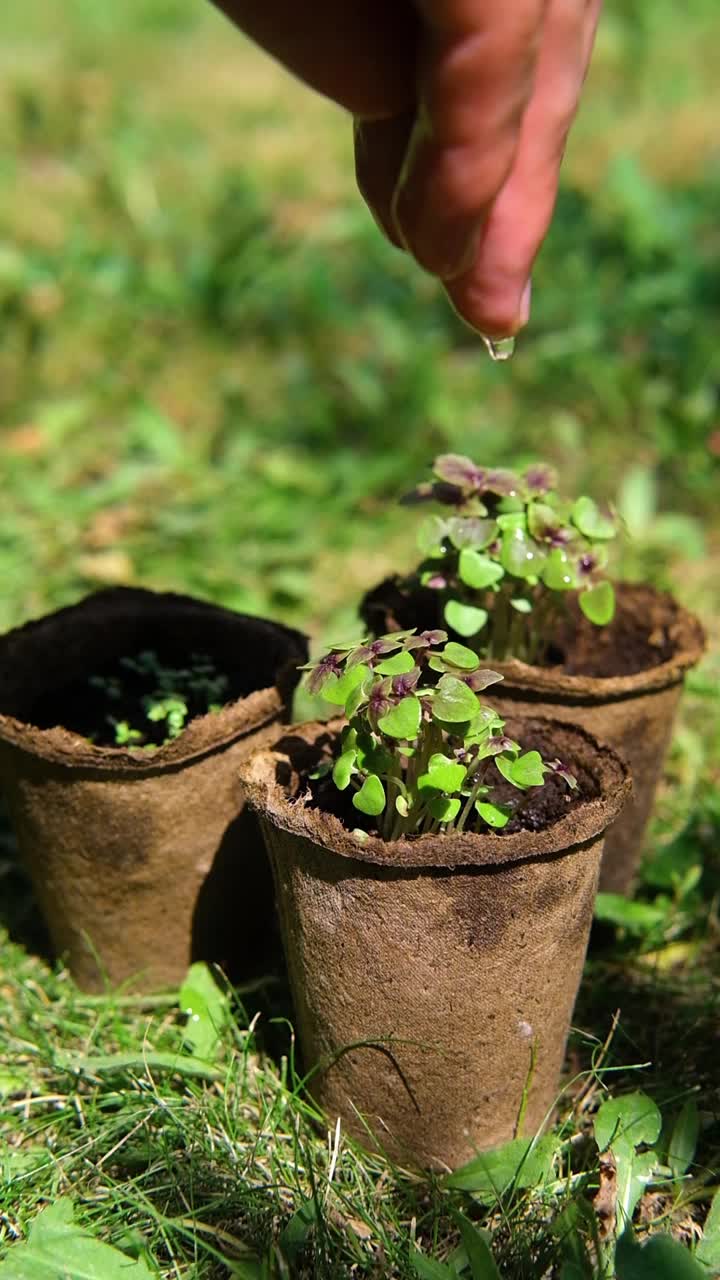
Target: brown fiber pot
<point x="633" y="713"/>
<point x="142" y="862"/>
<point x="426" y="974"/>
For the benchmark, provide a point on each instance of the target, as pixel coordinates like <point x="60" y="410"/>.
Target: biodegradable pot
<point x="652" y="642"/>
<point x="427" y="974"/>
<point x="142" y="861"/>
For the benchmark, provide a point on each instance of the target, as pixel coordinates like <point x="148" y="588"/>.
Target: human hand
<point x="462" y="109"/>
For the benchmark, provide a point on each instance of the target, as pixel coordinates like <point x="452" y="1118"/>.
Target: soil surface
<point x="642" y="634"/>
<point x="116" y="692"/>
<point x="536" y="808"/>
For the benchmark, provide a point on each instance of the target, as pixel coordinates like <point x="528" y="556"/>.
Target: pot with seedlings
<point x="435" y="869"/>
<point x="123" y="720"/>
<point x="519" y="574"/>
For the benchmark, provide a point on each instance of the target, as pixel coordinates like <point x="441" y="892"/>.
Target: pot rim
<point x="572" y="832"/>
<point x="203" y="735"/>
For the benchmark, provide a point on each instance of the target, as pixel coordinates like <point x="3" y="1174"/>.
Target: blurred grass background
<point x="216" y="377"/>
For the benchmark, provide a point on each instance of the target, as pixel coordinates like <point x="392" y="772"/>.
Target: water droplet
<point x="499" y="348"/>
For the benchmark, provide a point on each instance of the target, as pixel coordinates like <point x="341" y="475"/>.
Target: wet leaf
<point x="402" y="721"/>
<point x="466" y="619"/>
<point x="477" y="571"/>
<point x="454" y="702"/>
<point x="206" y="1007"/>
<point x="591" y="521"/>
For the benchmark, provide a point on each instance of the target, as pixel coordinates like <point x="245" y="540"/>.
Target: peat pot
<point x="141" y="860"/>
<point x="434" y="978"/>
<point x="621" y="682"/>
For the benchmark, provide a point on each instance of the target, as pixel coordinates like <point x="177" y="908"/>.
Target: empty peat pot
<point x="434" y="978"/>
<point x="621" y="682"/>
<point x="141" y="860"/>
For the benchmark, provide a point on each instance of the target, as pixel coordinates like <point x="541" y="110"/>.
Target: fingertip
<point x="495" y="311"/>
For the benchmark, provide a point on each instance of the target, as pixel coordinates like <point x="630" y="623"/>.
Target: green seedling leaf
<point x="443" y="808"/>
<point x="479" y="1253"/>
<point x="428" y="1268"/>
<point x="458" y="655"/>
<point x="296" y="1233"/>
<point x="401" y="805"/>
<point x="402" y="721"/>
<point x="370" y="798"/>
<point x="206" y="1007"/>
<point x="466" y="619"/>
<point x="58" y="1249"/>
<point x="661" y="1258"/>
<point x="477" y="571"/>
<point x="591" y="521"/>
<point x="638" y="918"/>
<point x="355" y="699"/>
<point x="493" y="814"/>
<point x="471" y="531"/>
<point x="431" y="537"/>
<point x="398" y="665"/>
<point x="337" y="690"/>
<point x="521" y="1163"/>
<point x="525" y="771"/>
<point x="637" y="499"/>
<point x="344" y="769"/>
<point x="598" y="603"/>
<point x="454" y="702"/>
<point x="520" y="556"/>
<point x="558" y="571"/>
<point x="443" y="774"/>
<point x="683" y="1139"/>
<point x="708" y="1250"/>
<point x="521" y="606"/>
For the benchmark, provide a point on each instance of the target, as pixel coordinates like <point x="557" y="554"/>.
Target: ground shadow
<point x="19" y="912"/>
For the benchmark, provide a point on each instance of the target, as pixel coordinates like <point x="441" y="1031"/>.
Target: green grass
<point x="215" y="377"/>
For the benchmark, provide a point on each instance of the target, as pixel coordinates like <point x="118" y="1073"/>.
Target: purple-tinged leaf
<point x="458" y="470"/>
<point x="562" y="771"/>
<point x="540" y="478"/>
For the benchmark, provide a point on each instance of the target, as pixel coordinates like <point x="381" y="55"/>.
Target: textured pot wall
<point x="456" y="975"/>
<point x="142" y="862"/>
<point x="457" y="956"/>
<point x="640" y="729"/>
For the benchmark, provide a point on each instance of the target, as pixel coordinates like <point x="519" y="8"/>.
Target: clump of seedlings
<point x="422" y="752"/>
<point x="147" y="703"/>
<point x="505" y="553"/>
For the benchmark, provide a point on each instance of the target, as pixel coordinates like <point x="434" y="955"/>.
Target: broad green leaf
<point x="466" y="619"/>
<point x="683" y="1138"/>
<point x="295" y="1234"/>
<point x="428" y="1268"/>
<point x="402" y="721"/>
<point x="444" y="808"/>
<point x="370" y="798"/>
<point x="632" y="1119"/>
<point x="443" y="774"/>
<point x="454" y="702"/>
<point x="478" y="572"/>
<point x="521" y="606"/>
<point x="591" y="521"/>
<point x="558" y="571"/>
<point x="521" y="1163"/>
<point x="58" y="1249"/>
<point x="431" y="537"/>
<point x="494" y="815"/>
<point x="598" y="603"/>
<point x="525" y="771"/>
<point x="479" y="1253"/>
<point x="356" y="698"/>
<point x="398" y="665"/>
<point x="458" y="655"/>
<point x="520" y="556"/>
<point x="471" y="531"/>
<point x="510" y="520"/>
<point x="206" y="1006"/>
<point x="637" y="917"/>
<point x="708" y="1250"/>
<point x="338" y="689"/>
<point x="343" y="770"/>
<point x="661" y="1258"/>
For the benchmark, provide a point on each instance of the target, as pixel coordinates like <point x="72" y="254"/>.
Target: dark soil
<point x="536" y="808"/>
<point x="639" y="637"/>
<point x="115" y="693"/>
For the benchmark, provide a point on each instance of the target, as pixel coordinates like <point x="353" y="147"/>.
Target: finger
<point x="493" y="295"/>
<point x="360" y="55"/>
<point x="380" y="147"/>
<point x="476" y="72"/>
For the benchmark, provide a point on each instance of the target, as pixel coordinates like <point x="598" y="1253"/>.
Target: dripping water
<point x="499" y="348"/>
